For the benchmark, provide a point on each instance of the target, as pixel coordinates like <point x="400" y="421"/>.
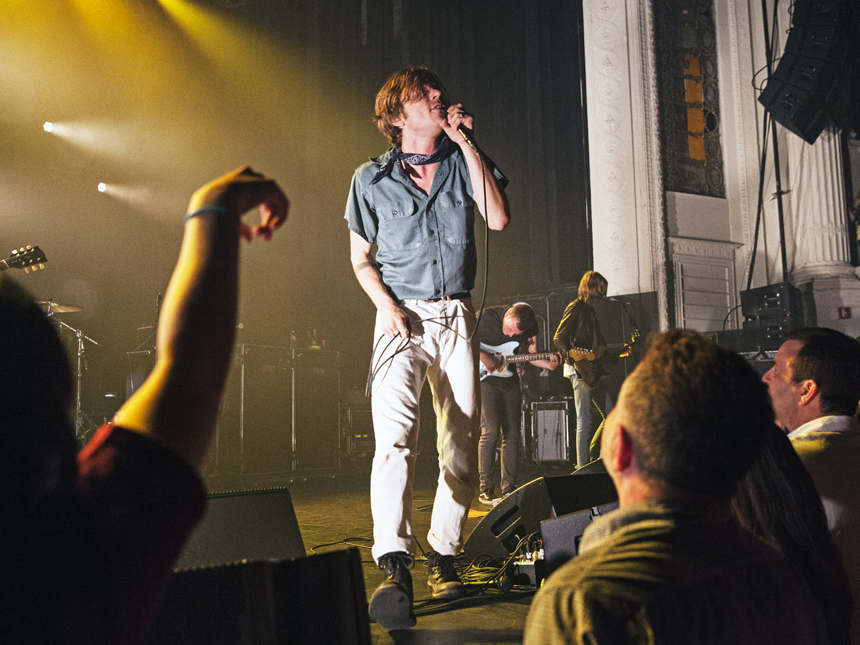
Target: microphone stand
<point x="80" y="418"/>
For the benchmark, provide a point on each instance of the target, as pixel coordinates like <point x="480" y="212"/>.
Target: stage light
<point x="102" y="187"/>
<point x="48" y="127"/>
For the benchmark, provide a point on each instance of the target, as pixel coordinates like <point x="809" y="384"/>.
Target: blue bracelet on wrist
<point x="214" y="208"/>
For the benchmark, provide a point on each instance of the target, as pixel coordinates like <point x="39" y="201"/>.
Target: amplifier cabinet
<point x="358" y="429"/>
<point x="550" y="430"/>
<point x="316" y="413"/>
<point x="265" y="409"/>
<point x="279" y="414"/>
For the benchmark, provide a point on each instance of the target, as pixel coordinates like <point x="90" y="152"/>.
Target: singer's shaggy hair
<point x="401" y="87"/>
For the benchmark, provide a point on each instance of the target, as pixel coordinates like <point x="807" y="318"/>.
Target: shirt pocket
<point x="457" y="216"/>
<point x="398" y="226"/>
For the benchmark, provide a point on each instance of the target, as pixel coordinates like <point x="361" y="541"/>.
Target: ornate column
<point x="624" y="152"/>
<point x="819" y="239"/>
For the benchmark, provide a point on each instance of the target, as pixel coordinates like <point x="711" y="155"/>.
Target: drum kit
<point x="83" y="425"/>
<point x="32" y="258"/>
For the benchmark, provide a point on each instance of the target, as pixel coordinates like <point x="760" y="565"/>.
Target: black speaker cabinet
<point x="279" y="415"/>
<point x="520" y="514"/>
<point x="316" y="599"/>
<point x="561" y="535"/>
<point x="358" y="429"/>
<point x="316" y="383"/>
<point x="266" y="409"/>
<point x="140" y="364"/>
<point x="812" y="74"/>
<point x="771" y="313"/>
<point x="244" y="525"/>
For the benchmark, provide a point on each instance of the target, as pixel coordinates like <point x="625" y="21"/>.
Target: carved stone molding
<point x="702" y="248"/>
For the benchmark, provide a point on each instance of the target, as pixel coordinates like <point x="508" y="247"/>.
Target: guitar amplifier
<point x="550" y="430"/>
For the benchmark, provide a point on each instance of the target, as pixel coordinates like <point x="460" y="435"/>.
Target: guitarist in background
<point x="501" y="398"/>
<point x="579" y="328"/>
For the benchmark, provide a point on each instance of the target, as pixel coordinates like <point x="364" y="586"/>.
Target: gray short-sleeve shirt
<point x="425" y="243"/>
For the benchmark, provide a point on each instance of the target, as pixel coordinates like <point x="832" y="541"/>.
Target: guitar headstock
<point x="635" y="339"/>
<point x="29" y="258"/>
<point x="579" y="354"/>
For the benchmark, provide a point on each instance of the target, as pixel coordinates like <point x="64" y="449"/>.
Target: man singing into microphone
<point x="416" y="202"/>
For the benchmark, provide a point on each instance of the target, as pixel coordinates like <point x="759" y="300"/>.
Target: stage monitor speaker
<point x="244" y="525"/>
<point x="519" y="514"/>
<point x="781" y="300"/>
<point x="804" y="90"/>
<point x="561" y="535"/>
<point x="316" y="599"/>
<point x="772" y="312"/>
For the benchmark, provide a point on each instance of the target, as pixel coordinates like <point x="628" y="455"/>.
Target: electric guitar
<point x="590" y="364"/>
<point x="504" y="353"/>
<point x="29" y="258"/>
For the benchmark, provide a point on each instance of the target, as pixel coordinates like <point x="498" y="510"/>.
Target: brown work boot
<point x="442" y="577"/>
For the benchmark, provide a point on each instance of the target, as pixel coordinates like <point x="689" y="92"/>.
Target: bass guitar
<point x="504" y="354"/>
<point x="29" y="258"/>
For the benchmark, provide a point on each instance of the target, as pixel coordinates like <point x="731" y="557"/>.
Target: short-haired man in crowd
<point x="814" y="386"/>
<point x="671" y="565"/>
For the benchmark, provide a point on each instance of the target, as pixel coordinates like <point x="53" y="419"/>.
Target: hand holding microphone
<point x="462" y="122"/>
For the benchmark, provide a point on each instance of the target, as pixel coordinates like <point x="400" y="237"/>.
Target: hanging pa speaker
<point x="805" y="89"/>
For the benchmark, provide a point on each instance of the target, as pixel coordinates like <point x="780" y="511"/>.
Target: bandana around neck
<point x="446" y="149"/>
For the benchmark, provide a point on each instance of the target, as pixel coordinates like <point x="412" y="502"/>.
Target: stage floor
<point x="334" y="512"/>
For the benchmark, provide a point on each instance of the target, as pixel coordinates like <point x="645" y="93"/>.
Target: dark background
<point x="156" y="98"/>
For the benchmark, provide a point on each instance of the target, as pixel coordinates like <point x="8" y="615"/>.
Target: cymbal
<point x="55" y="308"/>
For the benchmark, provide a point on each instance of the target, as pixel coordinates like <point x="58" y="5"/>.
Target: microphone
<point x="464" y="132"/>
<point x="620" y="301"/>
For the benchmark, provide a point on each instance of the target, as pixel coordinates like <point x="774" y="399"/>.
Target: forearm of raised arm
<point x="498" y="213"/>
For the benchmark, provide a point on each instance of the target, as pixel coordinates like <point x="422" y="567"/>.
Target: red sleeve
<point x="145" y="500"/>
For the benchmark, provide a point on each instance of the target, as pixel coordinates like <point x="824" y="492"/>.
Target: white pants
<point x="438" y="351"/>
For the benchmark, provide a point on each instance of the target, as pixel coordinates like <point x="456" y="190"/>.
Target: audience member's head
<point x="690" y="419"/>
<point x="815" y="373"/>
<point x="403" y="87"/>
<point x="35" y="396"/>
<point x="778" y="501"/>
